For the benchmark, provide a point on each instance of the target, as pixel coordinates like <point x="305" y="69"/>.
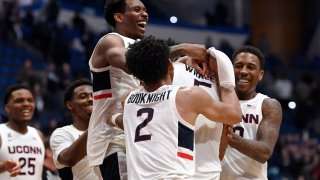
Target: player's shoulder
<point x="2" y="126"/>
<point x="109" y="40"/>
<point x="190" y="91"/>
<point x="36" y="131"/>
<point x="269" y="101"/>
<point x="270" y="105"/>
<point x="63" y="130"/>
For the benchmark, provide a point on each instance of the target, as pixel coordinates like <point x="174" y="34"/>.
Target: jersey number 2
<point x="138" y="137"/>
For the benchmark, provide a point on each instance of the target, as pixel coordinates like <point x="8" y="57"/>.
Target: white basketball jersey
<point x="109" y="85"/>
<point x="61" y="139"/>
<point x="27" y="149"/>
<point x="236" y="165"/>
<point x="207" y="133"/>
<point x="160" y="144"/>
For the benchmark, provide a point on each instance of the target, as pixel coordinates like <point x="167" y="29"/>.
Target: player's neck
<point x="80" y="124"/>
<point x="246" y="95"/>
<point x="123" y="33"/>
<point x="18" y="127"/>
<point x="155" y="86"/>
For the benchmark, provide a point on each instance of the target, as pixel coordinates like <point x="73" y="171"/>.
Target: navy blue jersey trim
<point x="101" y="80"/>
<point x="185" y="137"/>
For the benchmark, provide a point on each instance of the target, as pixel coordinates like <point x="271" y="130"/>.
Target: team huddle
<point x="152" y="110"/>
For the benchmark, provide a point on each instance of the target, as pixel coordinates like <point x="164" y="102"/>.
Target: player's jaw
<point x="26" y="114"/>
<point x="138" y="25"/>
<point x="245" y="83"/>
<point x="22" y="114"/>
<point x="141" y="26"/>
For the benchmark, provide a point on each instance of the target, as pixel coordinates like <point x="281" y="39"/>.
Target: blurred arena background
<point x="47" y="44"/>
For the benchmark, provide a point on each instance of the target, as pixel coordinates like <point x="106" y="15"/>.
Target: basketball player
<point x="207" y="132"/>
<point x="69" y="143"/>
<point x="209" y="150"/>
<point x="11" y="166"/>
<point x="18" y="141"/>
<point x="111" y="80"/>
<point x="159" y="117"/>
<point x="210" y="144"/>
<point x="105" y="145"/>
<point x="251" y="142"/>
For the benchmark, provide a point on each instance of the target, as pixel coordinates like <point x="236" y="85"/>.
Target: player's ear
<point x="118" y="17"/>
<point x="69" y="105"/>
<point x="6" y="108"/>
<point x="261" y="75"/>
<point x="170" y="65"/>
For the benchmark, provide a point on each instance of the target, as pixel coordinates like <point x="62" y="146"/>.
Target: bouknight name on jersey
<point x="24" y="150"/>
<point x="146" y="98"/>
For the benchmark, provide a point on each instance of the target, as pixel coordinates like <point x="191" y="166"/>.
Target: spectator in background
<point x="78" y="23"/>
<point x="40" y="100"/>
<point x="65" y="74"/>
<point x="226" y="47"/>
<point x="28" y="75"/>
<point x="51" y="12"/>
<point x="283" y="87"/>
<point x="263" y="45"/>
<point x="13" y="20"/>
<point x="219" y="16"/>
<point x="53" y="86"/>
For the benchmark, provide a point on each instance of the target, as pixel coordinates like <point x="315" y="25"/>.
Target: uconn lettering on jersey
<point x="200" y="76"/>
<point x="146" y="98"/>
<point x="251" y="118"/>
<point x="24" y="149"/>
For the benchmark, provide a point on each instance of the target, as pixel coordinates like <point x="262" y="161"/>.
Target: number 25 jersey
<point x="27" y="149"/>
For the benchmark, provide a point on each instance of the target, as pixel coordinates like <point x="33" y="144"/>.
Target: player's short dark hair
<point x="10" y="89"/>
<point x="148" y="59"/>
<point x="252" y="50"/>
<point x="69" y="91"/>
<point x="111" y="7"/>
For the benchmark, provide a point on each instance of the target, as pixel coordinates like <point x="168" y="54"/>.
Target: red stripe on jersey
<point x="184" y="155"/>
<point x="102" y="96"/>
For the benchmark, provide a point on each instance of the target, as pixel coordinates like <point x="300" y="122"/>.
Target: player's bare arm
<point x="110" y="50"/>
<point x="196" y="53"/>
<point x="267" y="134"/>
<point x="224" y="112"/>
<point x="223" y="141"/>
<point x="114" y="115"/>
<point x="75" y="152"/>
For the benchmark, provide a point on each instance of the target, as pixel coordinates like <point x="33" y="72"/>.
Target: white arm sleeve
<point x="225" y="68"/>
